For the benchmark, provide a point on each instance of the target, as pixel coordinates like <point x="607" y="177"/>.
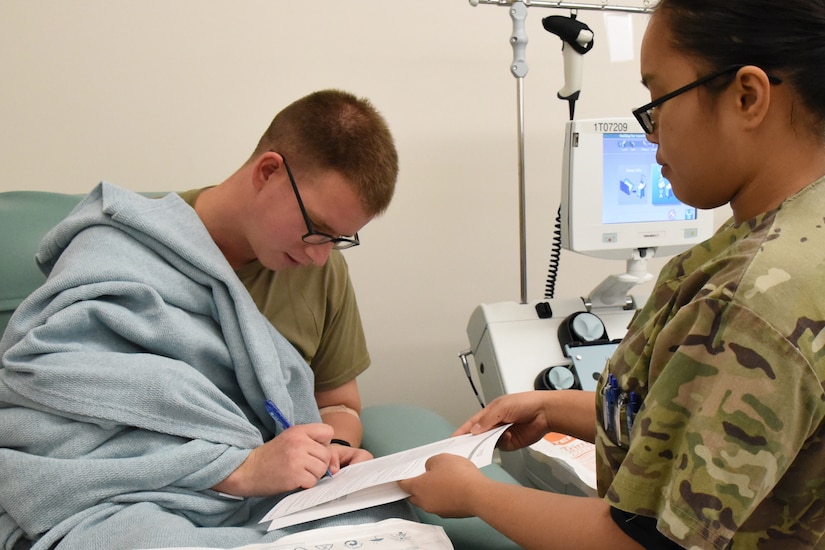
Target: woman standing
<point x="725" y="364"/>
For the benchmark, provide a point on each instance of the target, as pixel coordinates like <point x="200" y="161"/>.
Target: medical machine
<point x="616" y="204"/>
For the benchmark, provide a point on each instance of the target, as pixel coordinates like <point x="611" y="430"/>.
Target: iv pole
<point x="646" y="8"/>
<point x="518" y="40"/>
<point x="518" y="13"/>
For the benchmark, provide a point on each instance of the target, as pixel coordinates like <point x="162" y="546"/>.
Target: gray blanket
<point x="134" y="380"/>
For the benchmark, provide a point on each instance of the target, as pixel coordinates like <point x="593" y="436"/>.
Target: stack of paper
<point x="372" y="483"/>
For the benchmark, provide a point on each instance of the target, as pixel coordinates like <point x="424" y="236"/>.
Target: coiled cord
<point x="555" y="257"/>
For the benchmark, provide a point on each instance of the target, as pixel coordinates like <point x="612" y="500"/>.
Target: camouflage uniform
<point x="728" y="358"/>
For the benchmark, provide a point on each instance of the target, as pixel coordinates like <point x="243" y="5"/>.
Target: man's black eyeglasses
<point x="644" y="114"/>
<point x="318" y="237"/>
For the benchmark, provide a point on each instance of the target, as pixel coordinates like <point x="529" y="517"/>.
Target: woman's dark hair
<point x="785" y="38"/>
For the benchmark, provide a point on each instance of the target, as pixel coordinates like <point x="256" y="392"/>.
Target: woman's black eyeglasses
<point x="644" y="114"/>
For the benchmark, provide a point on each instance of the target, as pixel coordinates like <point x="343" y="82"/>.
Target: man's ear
<point x="753" y="96"/>
<point x="264" y="167"/>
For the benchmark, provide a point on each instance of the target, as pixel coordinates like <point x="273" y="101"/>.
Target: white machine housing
<point x="511" y="345"/>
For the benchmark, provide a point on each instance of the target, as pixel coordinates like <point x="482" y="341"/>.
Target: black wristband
<point x="341" y="442"/>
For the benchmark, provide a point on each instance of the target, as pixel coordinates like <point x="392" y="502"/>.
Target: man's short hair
<point x="335" y="130"/>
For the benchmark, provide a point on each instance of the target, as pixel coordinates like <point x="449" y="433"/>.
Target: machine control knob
<point x="588" y="327"/>
<point x="581" y="328"/>
<point x="555" y="378"/>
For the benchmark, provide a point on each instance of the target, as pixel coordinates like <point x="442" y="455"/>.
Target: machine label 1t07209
<point x="610" y="127"/>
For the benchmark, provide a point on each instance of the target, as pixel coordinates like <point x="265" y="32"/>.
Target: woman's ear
<point x="753" y="96"/>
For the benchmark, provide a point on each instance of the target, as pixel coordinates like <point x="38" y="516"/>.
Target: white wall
<point x="171" y="95"/>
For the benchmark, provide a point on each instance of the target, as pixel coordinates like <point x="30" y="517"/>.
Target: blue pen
<point x="280" y="419"/>
<point x="277" y="415"/>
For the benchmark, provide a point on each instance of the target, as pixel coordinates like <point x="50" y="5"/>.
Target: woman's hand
<point x="527" y="412"/>
<point x="447" y="487"/>
<point x="534" y="414"/>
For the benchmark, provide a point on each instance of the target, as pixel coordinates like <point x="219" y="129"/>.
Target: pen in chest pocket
<point x="619" y="409"/>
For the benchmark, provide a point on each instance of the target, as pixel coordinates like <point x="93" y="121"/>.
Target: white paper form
<point x="388" y="534"/>
<point x="372" y="483"/>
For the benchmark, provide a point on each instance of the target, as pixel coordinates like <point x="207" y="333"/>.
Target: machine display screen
<point x="615" y="200"/>
<point x="634" y="188"/>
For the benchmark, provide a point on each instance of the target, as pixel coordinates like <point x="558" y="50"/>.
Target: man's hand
<point x="344" y="456"/>
<point x="297" y="457"/>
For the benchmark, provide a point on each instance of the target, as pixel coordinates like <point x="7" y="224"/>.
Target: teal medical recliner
<point x="26" y="216"/>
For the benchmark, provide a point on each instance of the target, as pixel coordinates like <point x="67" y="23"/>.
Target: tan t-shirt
<point x="315" y="309"/>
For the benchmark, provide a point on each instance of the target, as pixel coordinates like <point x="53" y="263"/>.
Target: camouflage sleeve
<point x="727" y="410"/>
